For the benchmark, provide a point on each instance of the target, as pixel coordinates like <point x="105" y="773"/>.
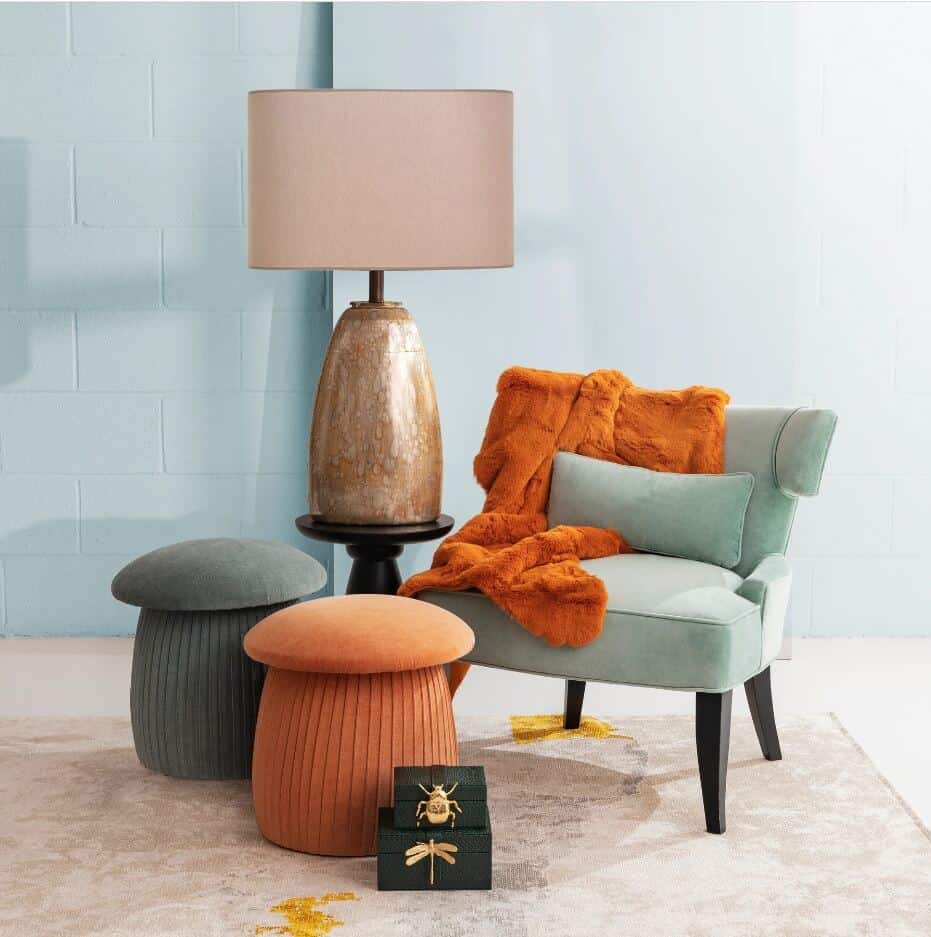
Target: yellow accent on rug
<point x="527" y="729"/>
<point x="304" y="920"/>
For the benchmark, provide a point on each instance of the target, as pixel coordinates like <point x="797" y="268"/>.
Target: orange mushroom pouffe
<point x="355" y="687"/>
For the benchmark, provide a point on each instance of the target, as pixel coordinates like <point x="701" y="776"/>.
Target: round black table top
<point x="374" y="534"/>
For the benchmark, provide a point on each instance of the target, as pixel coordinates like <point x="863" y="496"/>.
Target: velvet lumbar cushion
<point x="696" y="517"/>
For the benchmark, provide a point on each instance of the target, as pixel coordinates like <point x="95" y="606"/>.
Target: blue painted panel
<point x="152" y="387"/>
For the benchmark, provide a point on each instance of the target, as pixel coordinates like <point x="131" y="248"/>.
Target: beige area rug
<point x="592" y="836"/>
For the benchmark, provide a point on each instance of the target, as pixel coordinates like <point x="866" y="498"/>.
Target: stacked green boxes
<point x="438" y="834"/>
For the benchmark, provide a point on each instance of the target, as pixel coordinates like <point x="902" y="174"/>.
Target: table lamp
<point x="379" y="180"/>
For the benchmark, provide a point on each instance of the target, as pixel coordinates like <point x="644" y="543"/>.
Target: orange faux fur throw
<point x="507" y="552"/>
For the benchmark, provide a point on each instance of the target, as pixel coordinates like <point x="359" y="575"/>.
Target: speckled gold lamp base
<point x="376" y="456"/>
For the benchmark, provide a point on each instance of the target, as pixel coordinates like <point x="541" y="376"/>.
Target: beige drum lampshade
<point x="380" y="180"/>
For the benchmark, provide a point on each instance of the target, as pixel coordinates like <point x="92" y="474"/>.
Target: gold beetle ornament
<point x="438" y="807"/>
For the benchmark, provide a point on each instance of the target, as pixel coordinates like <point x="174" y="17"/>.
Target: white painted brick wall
<point x="241" y="432"/>
<point x="68" y="98"/>
<point x="39" y="514"/>
<point x="204" y="98"/>
<point x="197" y="350"/>
<point x="737" y="194"/>
<point x="152" y="387"/>
<point x="81" y="432"/>
<point x="43" y="197"/>
<point x="864" y="314"/>
<point x="122" y="251"/>
<point x="158" y="184"/>
<point x="153" y="29"/>
<point x="66" y="268"/>
<point x="37" y="352"/>
<point x="208" y="267"/>
<point x="36" y="29"/>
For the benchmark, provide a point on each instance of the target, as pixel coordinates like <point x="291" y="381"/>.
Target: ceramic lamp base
<point x="376" y="454"/>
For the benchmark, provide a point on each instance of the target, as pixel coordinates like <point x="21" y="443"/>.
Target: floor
<point x="880" y="688"/>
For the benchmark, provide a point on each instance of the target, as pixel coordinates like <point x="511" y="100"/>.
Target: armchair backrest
<point x="785" y="449"/>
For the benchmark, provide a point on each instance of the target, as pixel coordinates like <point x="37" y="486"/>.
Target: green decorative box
<point x="440" y="797"/>
<point x="443" y="859"/>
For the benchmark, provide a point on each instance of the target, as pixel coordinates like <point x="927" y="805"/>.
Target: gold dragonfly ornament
<point x="421" y="850"/>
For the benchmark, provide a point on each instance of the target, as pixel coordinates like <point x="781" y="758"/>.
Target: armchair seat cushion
<point x="671" y="622"/>
<point x="643" y="582"/>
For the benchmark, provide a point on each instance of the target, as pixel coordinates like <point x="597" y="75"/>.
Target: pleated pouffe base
<point x="326" y="746"/>
<point x="194" y="696"/>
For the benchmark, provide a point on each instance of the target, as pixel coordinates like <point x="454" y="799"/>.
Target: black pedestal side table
<point x="374" y="549"/>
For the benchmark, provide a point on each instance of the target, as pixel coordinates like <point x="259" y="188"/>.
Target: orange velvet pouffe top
<point x="355" y="687"/>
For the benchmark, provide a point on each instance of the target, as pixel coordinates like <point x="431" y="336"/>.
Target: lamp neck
<point x="376" y="286"/>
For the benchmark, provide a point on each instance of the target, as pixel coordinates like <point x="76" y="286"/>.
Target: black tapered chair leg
<point x="760" y="700"/>
<point x="713" y="739"/>
<point x="575" y="694"/>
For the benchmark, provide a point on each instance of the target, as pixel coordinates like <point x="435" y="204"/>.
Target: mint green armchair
<point x="684" y="625"/>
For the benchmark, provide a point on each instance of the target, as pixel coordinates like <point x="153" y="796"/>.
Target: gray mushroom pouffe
<point x="194" y="696"/>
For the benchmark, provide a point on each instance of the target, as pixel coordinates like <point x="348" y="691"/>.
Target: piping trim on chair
<point x="629" y="611"/>
<point x="651" y="686"/>
<point x="775" y="448"/>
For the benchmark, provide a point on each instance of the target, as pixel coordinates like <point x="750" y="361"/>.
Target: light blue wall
<point x="152" y="388"/>
<point x="726" y="193"/>
<point x="654" y="186"/>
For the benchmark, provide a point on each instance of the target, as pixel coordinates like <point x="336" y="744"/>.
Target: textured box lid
<point x="469" y="781"/>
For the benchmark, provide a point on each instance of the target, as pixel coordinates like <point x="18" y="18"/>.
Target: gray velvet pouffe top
<point x="194" y="695"/>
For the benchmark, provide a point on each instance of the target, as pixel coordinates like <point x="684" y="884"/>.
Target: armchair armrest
<point x="769" y="573"/>
<point x="801" y="451"/>
<point x="769" y="586"/>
